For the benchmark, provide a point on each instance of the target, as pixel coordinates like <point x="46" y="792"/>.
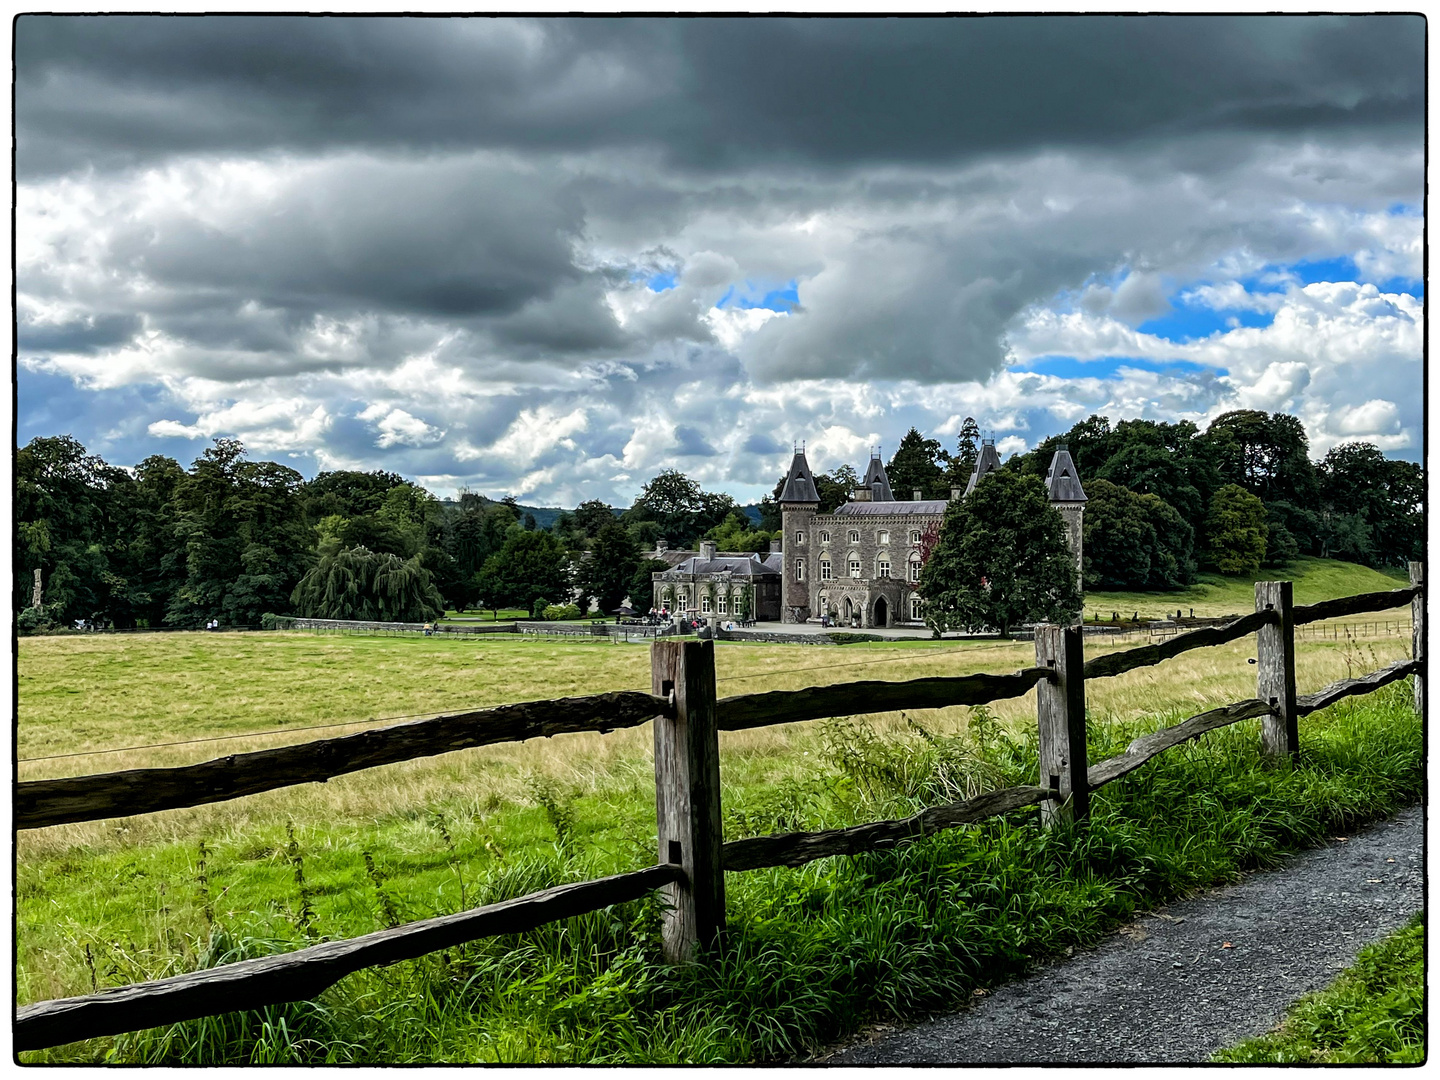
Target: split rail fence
<point x="692" y="854"/>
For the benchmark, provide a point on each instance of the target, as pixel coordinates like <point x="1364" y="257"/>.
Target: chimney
<point x="860" y="494"/>
<point x="917" y="495"/>
<point x="661" y="544"/>
<point x="707" y="550"/>
<point x="956" y="492"/>
<point x="777" y="546"/>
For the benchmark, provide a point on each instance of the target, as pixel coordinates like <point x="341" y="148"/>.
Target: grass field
<point x="109" y="902"/>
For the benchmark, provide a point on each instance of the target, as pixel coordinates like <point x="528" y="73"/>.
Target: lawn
<point x="108" y="902"/>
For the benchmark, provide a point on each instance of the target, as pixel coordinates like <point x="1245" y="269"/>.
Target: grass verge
<point x="1373" y="1014"/>
<point x="812" y="953"/>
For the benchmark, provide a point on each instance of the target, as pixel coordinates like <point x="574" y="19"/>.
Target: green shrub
<point x="558" y="612"/>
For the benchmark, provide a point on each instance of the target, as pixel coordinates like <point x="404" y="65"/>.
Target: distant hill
<point x="544" y="515"/>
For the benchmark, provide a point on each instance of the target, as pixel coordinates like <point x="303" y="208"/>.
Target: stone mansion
<point x="858" y="565"/>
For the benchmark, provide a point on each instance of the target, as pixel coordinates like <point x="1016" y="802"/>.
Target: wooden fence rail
<point x="692" y="857"/>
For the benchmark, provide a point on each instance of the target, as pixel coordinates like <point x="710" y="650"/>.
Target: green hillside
<point x="1213" y="594"/>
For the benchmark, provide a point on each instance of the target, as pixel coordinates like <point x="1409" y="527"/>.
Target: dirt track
<point x="1180" y="984"/>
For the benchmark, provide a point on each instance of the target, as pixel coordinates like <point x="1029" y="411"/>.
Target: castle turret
<point x="876" y="482"/>
<point x="799" y="502"/>
<point x="1062" y="484"/>
<point x="989" y="461"/>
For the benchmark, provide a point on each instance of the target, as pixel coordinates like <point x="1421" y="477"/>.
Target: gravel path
<point x="1182" y="983"/>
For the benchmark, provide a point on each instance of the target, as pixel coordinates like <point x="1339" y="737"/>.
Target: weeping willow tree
<point x="370" y="586"/>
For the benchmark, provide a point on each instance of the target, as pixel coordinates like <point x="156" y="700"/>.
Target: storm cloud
<point x="554" y="256"/>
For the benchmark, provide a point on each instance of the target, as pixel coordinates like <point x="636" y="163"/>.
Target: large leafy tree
<point x="1236" y="531"/>
<point x="1001" y="559"/>
<point x="1372" y="508"/>
<point x="1266" y="455"/>
<point x="677" y="504"/>
<point x="608" y="569"/>
<point x="917" y="466"/>
<point x="1135" y="541"/>
<point x="356" y="583"/>
<point x="736" y="533"/>
<point x="530" y="566"/>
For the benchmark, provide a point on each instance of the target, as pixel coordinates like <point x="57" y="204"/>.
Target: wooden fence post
<point x="1417" y="649"/>
<point x="1060" y="706"/>
<point x="687" y="796"/>
<point x="1275" y="678"/>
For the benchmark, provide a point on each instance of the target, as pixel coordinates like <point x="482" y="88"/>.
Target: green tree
<point x="1134" y="541"/>
<point x="530" y="567"/>
<point x="1001" y="559"/>
<point x="967" y="452"/>
<point x="607" y="573"/>
<point x="916" y="467"/>
<point x="1266" y="455"/>
<point x="592" y="515"/>
<point x="355" y="583"/>
<point x="736" y="533"/>
<point x="1385" y="499"/>
<point x="1236" y="531"/>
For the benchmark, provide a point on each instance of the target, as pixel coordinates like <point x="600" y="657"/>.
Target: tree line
<point x="1167" y="500"/>
<point x="237" y="540"/>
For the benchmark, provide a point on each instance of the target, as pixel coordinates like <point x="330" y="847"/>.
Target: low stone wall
<point x="391" y="627"/>
<point x="596" y="629"/>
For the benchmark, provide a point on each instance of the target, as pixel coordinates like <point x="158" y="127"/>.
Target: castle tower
<point x="989" y="461"/>
<point x="799" y="503"/>
<point x="1062" y="483"/>
<point x="876" y="483"/>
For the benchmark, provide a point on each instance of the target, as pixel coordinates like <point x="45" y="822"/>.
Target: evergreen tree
<point x="532" y="567"/>
<point x="1001" y="559"/>
<point x="607" y="572"/>
<point x="1236" y="531"/>
<point x="916" y="467"/>
<point x="967" y="453"/>
<point x="642" y="583"/>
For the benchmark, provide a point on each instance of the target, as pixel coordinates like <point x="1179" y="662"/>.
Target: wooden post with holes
<point x="1275" y="677"/>
<point x="687" y="797"/>
<point x="1417" y="637"/>
<point x="1060" y="706"/>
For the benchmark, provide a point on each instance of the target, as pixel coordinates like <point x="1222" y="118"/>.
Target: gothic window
<point x="882" y="537"/>
<point x="915" y="569"/>
<point x="854" y="561"/>
<point x="799" y="569"/>
<point x="882" y="568"/>
<point x="854" y="536"/>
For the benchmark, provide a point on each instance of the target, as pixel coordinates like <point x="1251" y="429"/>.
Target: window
<point x="914" y="536"/>
<point x="799" y="569"/>
<point x="914" y="569"/>
<point x="799" y="537"/>
<point x="855" y="568"/>
<point x="883" y="536"/>
<point x="882" y="568"/>
<point x="824" y="569"/>
<point x="824" y="537"/>
<point x="854" y="536"/>
<point x="915" y="608"/>
<point x="722" y="604"/>
<point x="705" y="603"/>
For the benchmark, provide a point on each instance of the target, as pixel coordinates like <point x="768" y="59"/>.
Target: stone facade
<point x="718" y="584"/>
<point x="859" y="565"/>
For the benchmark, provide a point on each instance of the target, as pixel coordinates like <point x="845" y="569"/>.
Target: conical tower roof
<point x="1063" y="479"/>
<point x="799" y="482"/>
<point x="876" y="474"/>
<point x="988" y="462"/>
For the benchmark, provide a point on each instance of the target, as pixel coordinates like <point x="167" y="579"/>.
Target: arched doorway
<point x="880" y="611"/>
<point x="847" y="613"/>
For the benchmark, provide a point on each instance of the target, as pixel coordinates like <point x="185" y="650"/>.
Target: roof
<point x="1063" y="480"/>
<point x="894" y="506"/>
<point x="738" y="564"/>
<point x="989" y="461"/>
<point x="799" y="482"/>
<point x="876" y="474"/>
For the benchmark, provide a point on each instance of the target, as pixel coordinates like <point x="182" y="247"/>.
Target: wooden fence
<point x="692" y="855"/>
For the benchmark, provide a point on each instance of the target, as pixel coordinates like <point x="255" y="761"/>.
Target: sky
<point x="551" y="258"/>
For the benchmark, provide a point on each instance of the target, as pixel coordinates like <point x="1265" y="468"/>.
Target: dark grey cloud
<point x="707" y="93"/>
<point x="690" y="443"/>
